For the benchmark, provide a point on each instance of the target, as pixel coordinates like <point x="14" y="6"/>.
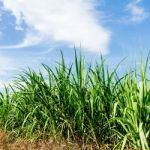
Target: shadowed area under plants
<point x="83" y="104"/>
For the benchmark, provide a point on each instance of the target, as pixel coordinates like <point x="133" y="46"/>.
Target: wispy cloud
<point x="137" y="13"/>
<point x="72" y="22"/>
<point x="6" y="64"/>
<point x="1" y="34"/>
<point x="30" y="39"/>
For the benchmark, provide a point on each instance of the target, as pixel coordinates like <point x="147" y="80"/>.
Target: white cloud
<point x="138" y="13"/>
<point x="72" y="22"/>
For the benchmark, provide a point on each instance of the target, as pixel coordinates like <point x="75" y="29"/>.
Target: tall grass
<point x="80" y="103"/>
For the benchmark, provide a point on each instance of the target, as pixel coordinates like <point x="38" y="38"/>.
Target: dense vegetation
<point x="80" y="103"/>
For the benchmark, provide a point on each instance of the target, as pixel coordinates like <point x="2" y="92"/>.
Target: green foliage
<point x="89" y="104"/>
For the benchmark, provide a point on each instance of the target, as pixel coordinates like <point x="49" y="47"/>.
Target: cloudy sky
<point x="33" y="31"/>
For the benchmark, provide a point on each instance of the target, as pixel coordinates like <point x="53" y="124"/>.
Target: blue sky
<point x="33" y="31"/>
